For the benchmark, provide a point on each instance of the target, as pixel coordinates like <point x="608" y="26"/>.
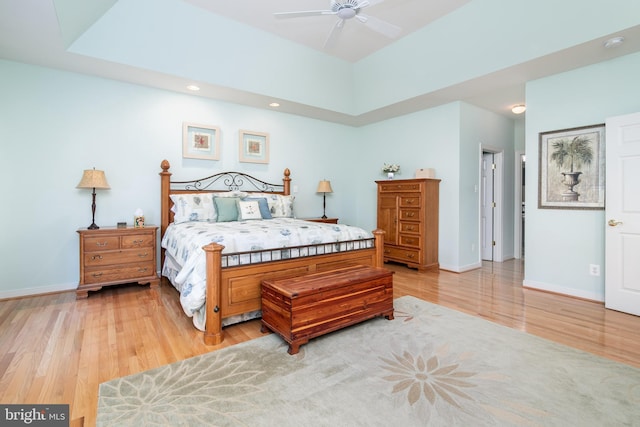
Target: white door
<point x="622" y="237"/>
<point x="487" y="207"/>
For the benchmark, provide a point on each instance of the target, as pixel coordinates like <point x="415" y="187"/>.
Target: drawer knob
<point x="143" y="270"/>
<point x="96" y="257"/>
<point x="138" y="242"/>
<point x="144" y="255"/>
<point x="102" y="244"/>
<point x="410" y="255"/>
<point x="97" y="274"/>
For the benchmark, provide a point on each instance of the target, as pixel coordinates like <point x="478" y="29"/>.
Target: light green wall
<point x="55" y="124"/>
<point x="503" y="34"/>
<point x="560" y="244"/>
<point x="179" y="39"/>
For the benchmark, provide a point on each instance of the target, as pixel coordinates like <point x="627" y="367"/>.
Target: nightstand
<point x="325" y="220"/>
<point x="113" y="256"/>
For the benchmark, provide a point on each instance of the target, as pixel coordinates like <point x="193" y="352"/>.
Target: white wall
<point x="560" y="244"/>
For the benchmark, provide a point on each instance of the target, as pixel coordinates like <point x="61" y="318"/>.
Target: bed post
<point x="213" y="327"/>
<point x="379" y="242"/>
<point x="165" y="183"/>
<point x="287" y="182"/>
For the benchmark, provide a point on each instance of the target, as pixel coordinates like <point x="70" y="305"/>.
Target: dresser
<point x="408" y="213"/>
<point x="113" y="256"/>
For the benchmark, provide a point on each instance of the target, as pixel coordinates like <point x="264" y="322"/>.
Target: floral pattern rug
<point x="429" y="366"/>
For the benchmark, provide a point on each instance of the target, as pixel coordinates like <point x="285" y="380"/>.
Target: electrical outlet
<point x="295" y="188"/>
<point x="594" y="269"/>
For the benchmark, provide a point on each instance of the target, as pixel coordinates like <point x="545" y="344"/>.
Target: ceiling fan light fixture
<point x="347" y="12"/>
<point x="613" y="42"/>
<point x="518" y="109"/>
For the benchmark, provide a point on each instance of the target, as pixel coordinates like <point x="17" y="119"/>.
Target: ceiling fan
<point x="345" y="10"/>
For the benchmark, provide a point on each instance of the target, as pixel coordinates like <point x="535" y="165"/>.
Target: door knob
<point x="613" y="223"/>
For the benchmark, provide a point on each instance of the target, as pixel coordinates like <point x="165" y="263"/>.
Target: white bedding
<point x="185" y="261"/>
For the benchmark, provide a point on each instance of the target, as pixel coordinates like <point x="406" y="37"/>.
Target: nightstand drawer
<point x="102" y="243"/>
<point x="119" y="273"/>
<point x="118" y="257"/>
<point x="138" y="240"/>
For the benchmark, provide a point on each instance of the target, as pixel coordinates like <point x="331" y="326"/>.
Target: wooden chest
<point x="306" y="307"/>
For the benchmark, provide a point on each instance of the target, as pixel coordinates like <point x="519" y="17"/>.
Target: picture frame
<point x="572" y="168"/>
<point x="254" y="147"/>
<point x="200" y="141"/>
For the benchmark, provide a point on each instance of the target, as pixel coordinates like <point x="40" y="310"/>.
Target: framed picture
<point x="254" y="147"/>
<point x="200" y="141"/>
<point x="572" y="168"/>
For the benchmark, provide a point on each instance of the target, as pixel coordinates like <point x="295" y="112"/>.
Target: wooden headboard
<point x="219" y="182"/>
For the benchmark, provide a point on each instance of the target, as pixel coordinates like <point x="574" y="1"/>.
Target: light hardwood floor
<point x="58" y="350"/>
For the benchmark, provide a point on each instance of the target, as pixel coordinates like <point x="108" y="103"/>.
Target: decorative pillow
<point x="263" y="205"/>
<point x="248" y="210"/>
<point x="227" y="208"/>
<point x="193" y="207"/>
<point x="280" y="206"/>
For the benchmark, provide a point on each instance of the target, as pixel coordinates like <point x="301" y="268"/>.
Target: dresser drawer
<point x="409" y="240"/>
<point x="118" y="273"/>
<point x="101" y="243"/>
<point x="410" y="227"/>
<point x="410" y="214"/>
<point x="137" y="241"/>
<point x="390" y="187"/>
<point x="410" y="200"/>
<point x="402" y="254"/>
<point x="118" y="257"/>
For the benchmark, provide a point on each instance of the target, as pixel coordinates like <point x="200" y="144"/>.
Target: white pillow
<point x="248" y="210"/>
<point x="280" y="206"/>
<point x="193" y="207"/>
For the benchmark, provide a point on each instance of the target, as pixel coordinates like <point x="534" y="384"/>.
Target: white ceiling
<point x="30" y="33"/>
<point x="356" y="40"/>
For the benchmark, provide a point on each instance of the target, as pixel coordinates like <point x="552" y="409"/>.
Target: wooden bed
<point x="236" y="290"/>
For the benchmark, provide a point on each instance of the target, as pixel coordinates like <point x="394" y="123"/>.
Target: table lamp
<point x="324" y="187"/>
<point x="91" y="178"/>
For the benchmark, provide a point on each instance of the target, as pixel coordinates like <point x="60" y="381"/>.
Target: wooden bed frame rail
<point x="236" y="290"/>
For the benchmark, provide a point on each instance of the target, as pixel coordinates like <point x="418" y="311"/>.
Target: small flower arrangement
<point x="390" y="168"/>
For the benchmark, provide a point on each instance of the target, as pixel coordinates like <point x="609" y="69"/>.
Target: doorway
<point x="491" y="163"/>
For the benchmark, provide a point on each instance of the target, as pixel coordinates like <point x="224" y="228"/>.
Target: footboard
<point x="236" y="290"/>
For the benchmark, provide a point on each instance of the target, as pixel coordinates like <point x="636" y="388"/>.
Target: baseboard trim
<point x="40" y="290"/>
<point x="461" y="269"/>
<point x="560" y="290"/>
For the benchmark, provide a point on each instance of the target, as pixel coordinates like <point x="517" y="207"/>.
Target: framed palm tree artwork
<point x="572" y="168"/>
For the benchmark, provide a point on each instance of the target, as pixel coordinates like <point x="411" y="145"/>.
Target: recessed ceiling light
<point x="613" y="42"/>
<point x="518" y="109"/>
<point x="193" y="87"/>
<point x="274" y="104"/>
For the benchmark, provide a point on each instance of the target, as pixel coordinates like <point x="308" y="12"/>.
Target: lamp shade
<point x="92" y="178"/>
<point x="324" y="187"/>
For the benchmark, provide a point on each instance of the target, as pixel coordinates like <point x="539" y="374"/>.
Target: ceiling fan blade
<point x="363" y="3"/>
<point x="380" y="26"/>
<point x="334" y="34"/>
<point x="303" y="13"/>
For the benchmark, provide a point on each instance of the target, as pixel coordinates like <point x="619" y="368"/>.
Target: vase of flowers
<point x="390" y="169"/>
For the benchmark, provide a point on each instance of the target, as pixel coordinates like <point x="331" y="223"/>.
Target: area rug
<point x="429" y="366"/>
